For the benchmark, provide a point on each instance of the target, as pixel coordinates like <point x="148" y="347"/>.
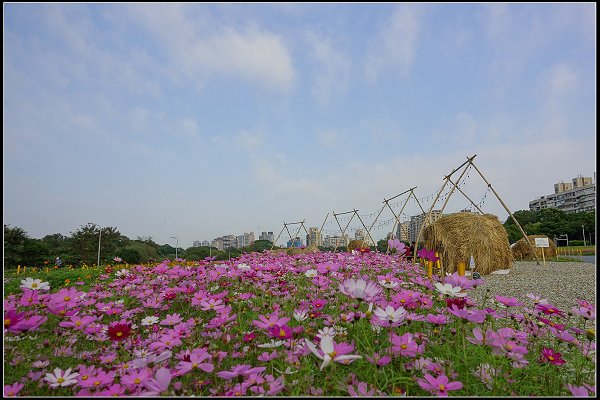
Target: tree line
<point x="81" y="247"/>
<point x="553" y="223"/>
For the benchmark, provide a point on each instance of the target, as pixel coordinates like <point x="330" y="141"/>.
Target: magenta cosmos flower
<point x="549" y="355"/>
<point x="361" y="289"/>
<point x="331" y="351"/>
<point x="439" y="386"/>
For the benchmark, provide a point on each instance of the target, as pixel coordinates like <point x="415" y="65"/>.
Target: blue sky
<point x="201" y="120"/>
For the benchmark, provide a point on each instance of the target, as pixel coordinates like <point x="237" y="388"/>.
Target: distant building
<point x="267" y="236"/>
<point x="416" y="222"/>
<point x="330" y="241"/>
<point x="217" y="243"/>
<point x="196" y="243"/>
<point x="577" y="196"/>
<point x="296" y="242"/>
<point x="206" y="243"/>
<point x="314" y="237"/>
<point x="361" y="234"/>
<point x="403" y="230"/>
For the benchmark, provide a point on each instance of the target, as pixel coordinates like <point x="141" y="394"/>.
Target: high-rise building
<point x="361" y="234"/>
<point x="196" y="243"/>
<point x="205" y="243"/>
<point x="267" y="236"/>
<point x="402" y="232"/>
<point x="296" y="242"/>
<point x="578" y="196"/>
<point x="314" y="237"/>
<point x="416" y="222"/>
<point x="331" y="241"/>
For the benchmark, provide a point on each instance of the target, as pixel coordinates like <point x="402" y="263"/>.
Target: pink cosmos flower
<point x="272" y="320"/>
<point x="549" y="309"/>
<point x="477" y="316"/>
<point x="77" y="322"/>
<point x="378" y="360"/>
<point x="240" y="370"/>
<point x="361" y="389"/>
<point x="171" y="319"/>
<point x="196" y="360"/>
<point x="280" y="332"/>
<point x="326" y="267"/>
<point x="100" y="378"/>
<point x="404" y="345"/>
<point x="13" y="390"/>
<point x="439" y="386"/>
<point x="508" y="301"/>
<point x="29" y="298"/>
<point x="362" y="289"/>
<point x="135" y="378"/>
<point x="576" y="391"/>
<point x="160" y="383"/>
<point x="549" y="355"/>
<point x="16" y="322"/>
<point x="389" y="317"/>
<point x="212" y="304"/>
<point x="437" y="319"/>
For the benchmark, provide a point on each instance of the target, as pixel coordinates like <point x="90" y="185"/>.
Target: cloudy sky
<point x="201" y="120"/>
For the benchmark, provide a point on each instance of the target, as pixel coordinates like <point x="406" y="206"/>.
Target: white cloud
<point x="333" y="71"/>
<point x="190" y="128"/>
<point x="396" y="44"/>
<point x="328" y="138"/>
<point x="199" y="48"/>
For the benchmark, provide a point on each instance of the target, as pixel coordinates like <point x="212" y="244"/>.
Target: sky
<point x="196" y="121"/>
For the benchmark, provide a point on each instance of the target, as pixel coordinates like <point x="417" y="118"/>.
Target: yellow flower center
<point x="97" y="383"/>
<point x="60" y="380"/>
<point x="137" y="381"/>
<point x="194" y="365"/>
<point x="281" y="333"/>
<point x="403" y="346"/>
<point x="84" y="378"/>
<point x="67" y="298"/>
<point x="333" y="354"/>
<point x="78" y="323"/>
<point x="34" y="285"/>
<point x="442" y="388"/>
<point x="6" y="321"/>
<point x="119" y="333"/>
<point x="550" y="358"/>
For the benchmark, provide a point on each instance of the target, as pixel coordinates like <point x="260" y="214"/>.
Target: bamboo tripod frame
<point x="467" y="164"/>
<point x="354" y="212"/>
<point x="285" y="226"/>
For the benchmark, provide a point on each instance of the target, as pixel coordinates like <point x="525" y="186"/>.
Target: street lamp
<point x="583" y="234"/>
<point x="99" y="238"/>
<point x="176" y="245"/>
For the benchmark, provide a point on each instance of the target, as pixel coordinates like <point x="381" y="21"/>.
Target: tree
<point x="84" y="242"/>
<point x="382" y="245"/>
<point x="14" y="242"/>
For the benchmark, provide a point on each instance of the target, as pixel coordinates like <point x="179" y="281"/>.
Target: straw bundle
<point x="522" y="251"/>
<point x="457" y="237"/>
<point x="302" y="250"/>
<point x="357" y="244"/>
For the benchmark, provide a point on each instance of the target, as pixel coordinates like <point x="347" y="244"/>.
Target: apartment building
<point x="579" y="195"/>
<point x="416" y="222"/>
<point x="314" y="237"/>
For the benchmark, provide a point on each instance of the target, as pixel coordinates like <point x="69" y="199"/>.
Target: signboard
<point x="541" y="242"/>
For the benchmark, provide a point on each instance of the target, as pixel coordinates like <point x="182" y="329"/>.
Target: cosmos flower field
<point x="272" y="324"/>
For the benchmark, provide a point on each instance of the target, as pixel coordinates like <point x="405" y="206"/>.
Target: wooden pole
<point x="458" y="180"/>
<point x="363" y="224"/>
<point x="464" y="194"/>
<point x="273" y="245"/>
<point x="507" y="210"/>
<point x="543" y="256"/>
<point x="433" y="204"/>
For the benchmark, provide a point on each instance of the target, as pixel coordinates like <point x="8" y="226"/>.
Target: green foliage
<point x="382" y="245"/>
<point x="85" y="241"/>
<point x="258" y="246"/>
<point x="14" y="242"/>
<point x="130" y="255"/>
<point x="551" y="222"/>
<point x="199" y="253"/>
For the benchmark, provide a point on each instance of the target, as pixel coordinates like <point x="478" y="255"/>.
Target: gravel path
<point x="559" y="282"/>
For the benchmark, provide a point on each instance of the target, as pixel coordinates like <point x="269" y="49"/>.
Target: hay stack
<point x="458" y="236"/>
<point x="302" y="250"/>
<point x="522" y="251"/>
<point x="357" y="244"/>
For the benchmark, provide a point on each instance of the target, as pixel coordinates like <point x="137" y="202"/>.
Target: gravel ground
<point x="559" y="282"/>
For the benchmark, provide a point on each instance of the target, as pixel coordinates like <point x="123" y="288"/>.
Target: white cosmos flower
<point x="448" y="289"/>
<point x="34" y="284"/>
<point x="151" y="320"/>
<point x="273" y="343"/>
<point x="388" y="284"/>
<point x="60" y="378"/>
<point x="327" y="331"/>
<point x="311" y="273"/>
<point x="329" y="354"/>
<point x="390" y="314"/>
<point x="244" y="266"/>
<point x="300" y="315"/>
<point x="122" y="272"/>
